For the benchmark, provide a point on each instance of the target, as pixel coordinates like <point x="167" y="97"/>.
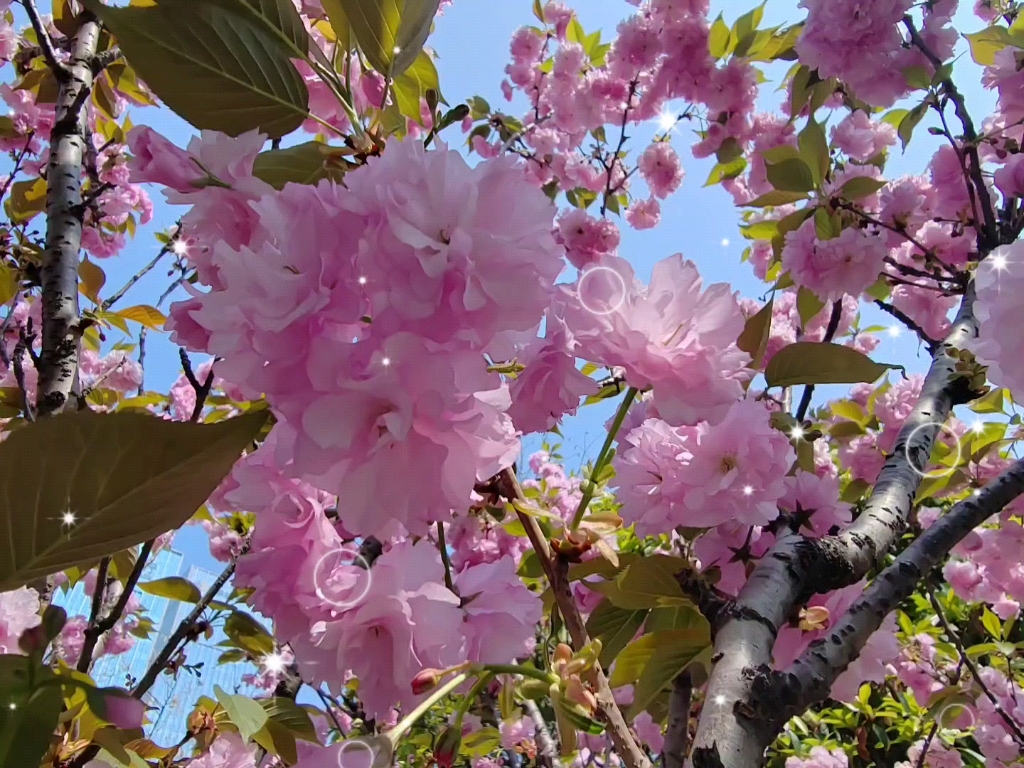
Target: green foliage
<point x="390" y="33"/>
<point x="813" y="362"/>
<point x="306" y="163"/>
<point x="84" y="484"/>
<point x="222" y="65"/>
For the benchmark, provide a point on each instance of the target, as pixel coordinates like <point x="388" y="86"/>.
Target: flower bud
<point x="425" y="680"/>
<point x="447" y="747"/>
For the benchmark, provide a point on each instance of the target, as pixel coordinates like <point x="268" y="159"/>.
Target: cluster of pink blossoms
<point x="363" y="312"/>
<point x="381" y="622"/>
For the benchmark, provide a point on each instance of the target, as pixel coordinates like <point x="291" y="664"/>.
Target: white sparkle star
<point x="362" y="281"/>
<point x="12" y="705"/>
<point x="725" y="242"/>
<point x="895" y="331"/>
<point x="977" y="491"/>
<point x="977" y="427"/>
<point x="274" y="662"/>
<point x="797" y="432"/>
<point x="999" y="261"/>
<point x="180" y="248"/>
<point x="667" y="121"/>
<point x="719" y="699"/>
<point x="747" y="490"/>
<point x="69" y="518"/>
<point x="385" y="361"/>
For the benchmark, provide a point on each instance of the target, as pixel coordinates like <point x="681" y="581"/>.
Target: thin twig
<point x="184" y="628"/>
<point x="953" y="635"/>
<point x="45" y="41"/>
<point x="443" y="548"/>
<point x="99" y="593"/>
<point x="547" y="752"/>
<point x="556" y="570"/>
<point x="830" y="332"/>
<point x="927" y="744"/>
<point x="202" y="390"/>
<point x="96" y="630"/>
<point x="677" y="735"/>
<point x="904" y="318"/>
<point x="17" y="165"/>
<point x="20" y="349"/>
<point x="118" y="295"/>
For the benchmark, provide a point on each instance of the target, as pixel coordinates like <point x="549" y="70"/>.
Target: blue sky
<point x="471" y="40"/>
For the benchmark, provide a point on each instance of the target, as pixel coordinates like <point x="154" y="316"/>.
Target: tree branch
<point x="45" y="42"/>
<point x="106" y="305"/>
<point x="904" y="318"/>
<point x="811" y="676"/>
<point x="160" y="662"/>
<point x="547" y="752"/>
<point x="677" y="735"/>
<point x="61" y="339"/>
<point x="556" y="570"/>
<point x="965" y="659"/>
<point x="830" y="332"/>
<point x="797" y="568"/>
<point x="98" y="628"/>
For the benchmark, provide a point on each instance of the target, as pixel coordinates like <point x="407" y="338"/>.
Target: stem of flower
<point x="515" y="669"/>
<point x="409" y="720"/>
<point x="603" y="457"/>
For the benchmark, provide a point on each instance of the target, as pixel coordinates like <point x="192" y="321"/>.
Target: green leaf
<point x="909" y="123"/>
<point x="212" y="64"/>
<point x="614" y="627"/>
<point x="748" y="22"/>
<point x="247" y="715"/>
<point x="674" y="650"/>
<point x="917" y="76"/>
<point x="29" y="711"/>
<point x="756" y="332"/>
<point x="807" y="305"/>
<point x="339" y="23"/>
<point x="814" y="149"/>
<point x="248" y="634"/>
<point x="815" y="362"/>
<point x="859" y="187"/>
<point x="84" y="485"/>
<point x="729" y="170"/>
<point x="173" y="587"/>
<point x="280" y="19"/>
<point x="761" y="230"/>
<point x="718" y="39"/>
<point x="292" y="716"/>
<point x="648" y="582"/>
<point x="826" y="225"/>
<point x="412" y="85"/>
<point x="676" y="617"/>
<point x="631" y="663"/>
<point x="777" y="197"/>
<point x="990" y="403"/>
<point x="306" y="163"/>
<point x="791" y="175"/>
<point x="988" y="42"/>
<point x="391" y="33"/>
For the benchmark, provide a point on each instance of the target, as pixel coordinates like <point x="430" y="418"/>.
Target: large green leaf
<point x="83" y="485"/>
<point x="817" y="362"/>
<point x="213" y="63"/>
<point x="246" y="714"/>
<point x="306" y="163"/>
<point x="412" y="86"/>
<point x="248" y="634"/>
<point x="292" y="716"/>
<point x="280" y="19"/>
<point x="30" y="705"/>
<point x="792" y="175"/>
<point x="674" y="651"/>
<point x="614" y="627"/>
<point x="173" y="587"/>
<point x="390" y="33"/>
<point x="756" y="332"/>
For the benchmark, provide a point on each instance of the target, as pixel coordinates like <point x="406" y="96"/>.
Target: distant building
<point x="171" y="698"/>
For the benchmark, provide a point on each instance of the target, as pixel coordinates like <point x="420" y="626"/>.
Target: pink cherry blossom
<point x="500" y="612"/>
<point x="998" y="281"/>
<point x="862" y="138"/>
<point x="19" y="611"/>
<point x="550" y="387"/>
<point x="820" y="757"/>
<point x="660" y="168"/>
<point x="847" y="264"/>
<point x="644" y="214"/>
<point x="670" y="335"/>
<point x="585" y="238"/>
<point x="227" y="751"/>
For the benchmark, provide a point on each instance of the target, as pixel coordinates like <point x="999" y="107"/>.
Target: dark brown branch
<point x="45" y="42"/>
<point x="96" y="630"/>
<point x="965" y="659"/>
<point x="183" y="630"/>
<point x="547" y="752"/>
<point x="990" y="236"/>
<point x="117" y="296"/>
<point x="99" y="593"/>
<point x="677" y="735"/>
<point x="202" y="389"/>
<point x="904" y="318"/>
<point x="830" y="332"/>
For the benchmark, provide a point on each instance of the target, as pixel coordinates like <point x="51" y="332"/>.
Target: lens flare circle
<point x="348" y="755"/>
<point x="326" y="567"/>
<point x="934" y="474"/>
<point x="616" y="280"/>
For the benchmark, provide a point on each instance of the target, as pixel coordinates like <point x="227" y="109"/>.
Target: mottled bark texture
<point x="741" y="712"/>
<point x="58" y="363"/>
